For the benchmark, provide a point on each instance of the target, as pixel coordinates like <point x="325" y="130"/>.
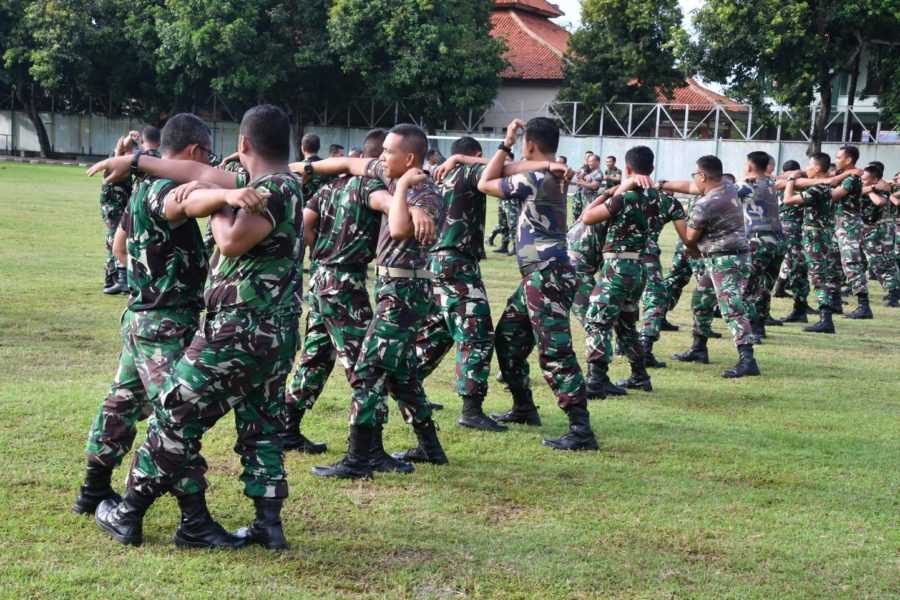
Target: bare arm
<point x="310" y="227"/>
<point x="680" y="228"/>
<point x="493" y="173"/>
<point x="877" y="199"/>
<point x="400" y="221"/>
<point x="237" y="231"/>
<point x="181" y="171"/>
<point x="118" y="248"/>
<point x="680" y="187"/>
<point x="334" y="166"/>
<point x="380" y="201"/>
<point x="207" y="201"/>
<point x="789" y="196"/>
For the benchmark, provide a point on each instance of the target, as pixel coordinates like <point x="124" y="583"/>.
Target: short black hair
<point x="874" y="171"/>
<point x="310" y="143"/>
<point x="730" y="177"/>
<point x="821" y="159"/>
<point x="790" y="165"/>
<point x="710" y="166"/>
<point x="563" y="159"/>
<point x="544" y="133"/>
<point x="612" y="157"/>
<point x="588" y="151"/>
<point x="852" y="152"/>
<point x="268" y="130"/>
<point x="466" y="145"/>
<point x="878" y="165"/>
<point x="151" y="134"/>
<point x="373" y="144"/>
<point x="181" y="131"/>
<point x="433" y="152"/>
<point x="759" y="160"/>
<point x="334" y="148"/>
<point x="640" y="160"/>
<point x="414" y="139"/>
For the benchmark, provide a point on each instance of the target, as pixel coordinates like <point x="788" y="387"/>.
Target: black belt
<point x="724" y="253"/>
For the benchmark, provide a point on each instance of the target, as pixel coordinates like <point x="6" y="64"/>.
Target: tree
<point x="790" y="50"/>
<point x="623" y="52"/>
<point x="436" y="57"/>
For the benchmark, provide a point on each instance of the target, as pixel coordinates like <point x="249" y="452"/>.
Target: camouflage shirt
<point x="408" y="253"/>
<point x="788" y="213"/>
<point x="614" y="172"/>
<point x="541" y="230"/>
<point x="591" y="195"/>
<point x="661" y="208"/>
<point x="871" y="212"/>
<point x="266" y="278"/>
<point x="586" y="246"/>
<point x="850" y="204"/>
<point x="718" y="216"/>
<point x="760" y="206"/>
<point x="166" y="261"/>
<point x="312" y="185"/>
<point x="628" y="228"/>
<point x="348" y="228"/>
<point x="465" y="208"/>
<point x="819" y="210"/>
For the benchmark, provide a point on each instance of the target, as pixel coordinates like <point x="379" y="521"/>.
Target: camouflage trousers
<point x="152" y="341"/>
<point x="537" y="313"/>
<point x="793" y="268"/>
<point x="878" y="244"/>
<point x="655" y="299"/>
<point x="582" y="301"/>
<point x="766" y="254"/>
<point x="849" y="233"/>
<point x="614" y="307"/>
<point x="387" y="362"/>
<point x="678" y="276"/>
<point x="111" y="211"/>
<point x="502" y="229"/>
<point x="461" y="316"/>
<point x="723" y="280"/>
<point x="578" y="206"/>
<point x="513" y="208"/>
<point x="824" y="265"/>
<point x="238" y="360"/>
<point x="338" y="315"/>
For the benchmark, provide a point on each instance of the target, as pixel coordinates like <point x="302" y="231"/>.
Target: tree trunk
<point x="818" y="132"/>
<point x="854" y="78"/>
<point x="35" y="116"/>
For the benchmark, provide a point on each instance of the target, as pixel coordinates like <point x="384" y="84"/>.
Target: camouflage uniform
<point x="818" y="233"/>
<point x="678" y="276"/>
<point x="339" y="310"/>
<point x="793" y="268"/>
<point x="387" y="358"/>
<point x="660" y="209"/>
<point x="166" y="269"/>
<point x="764" y="234"/>
<point x="240" y="359"/>
<point x="113" y="200"/>
<point x="585" y="248"/>
<point x="607" y="174"/>
<point x="614" y="301"/>
<point x="878" y="242"/>
<point x="586" y="196"/>
<point x="538" y="311"/>
<point x="723" y="244"/>
<point x="848" y="229"/>
<point x="463" y="313"/>
<point x="502" y="227"/>
<point x="513" y="209"/>
<point x="314" y="182"/>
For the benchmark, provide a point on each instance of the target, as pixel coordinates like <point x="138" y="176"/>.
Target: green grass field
<point x="783" y="486"/>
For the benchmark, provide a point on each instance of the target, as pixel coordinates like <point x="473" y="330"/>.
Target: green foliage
<point x="436" y="57"/>
<point x="623" y="52"/>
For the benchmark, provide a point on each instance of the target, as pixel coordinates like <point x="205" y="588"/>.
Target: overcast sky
<point x="572" y="8"/>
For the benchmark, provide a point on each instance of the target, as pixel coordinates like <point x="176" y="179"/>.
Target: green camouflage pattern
<point x="823" y="263"/>
<point x="465" y="208"/>
<point x="347" y="230"/>
<point x="661" y="208"/>
<point x="113" y="200"/>
<point x="723" y="281"/>
<point x="614" y="308"/>
<point x="537" y="313"/>
<point x="628" y="228"/>
<point x="878" y="244"/>
<point x="848" y="230"/>
<point x="720" y="220"/>
<point x="766" y="254"/>
<point x="608" y="174"/>
<point x="585" y="248"/>
<point x="502" y="228"/>
<point x="851" y="203"/>
<point x="793" y="268"/>
<point x="541" y="227"/>
<point x="314" y="182"/>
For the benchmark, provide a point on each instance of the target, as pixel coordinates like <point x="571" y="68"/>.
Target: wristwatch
<point x="505" y="148"/>
<point x="308" y="169"/>
<point x="660" y="184"/>
<point x="134" y="162"/>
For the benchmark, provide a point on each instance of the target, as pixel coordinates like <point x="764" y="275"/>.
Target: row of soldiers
<point x="192" y="351"/>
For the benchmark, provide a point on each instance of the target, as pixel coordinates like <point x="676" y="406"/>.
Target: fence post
<point x="844" y="127"/>
<point x="716" y="131"/>
<point x="630" y="107"/>
<point x="656" y="134"/>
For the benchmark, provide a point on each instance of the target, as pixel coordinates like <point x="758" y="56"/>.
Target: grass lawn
<point x="782" y="486"/>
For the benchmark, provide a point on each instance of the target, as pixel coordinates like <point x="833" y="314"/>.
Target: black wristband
<point x="505" y="148"/>
<point x="308" y="169"/>
<point x="136" y="157"/>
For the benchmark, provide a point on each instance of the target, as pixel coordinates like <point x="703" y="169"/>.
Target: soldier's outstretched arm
<point x="789" y="196"/>
<point x="679" y="187"/>
<point x="333" y="166"/>
<point x="205" y="202"/>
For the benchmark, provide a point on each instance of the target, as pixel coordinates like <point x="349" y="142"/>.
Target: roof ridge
<point x="534" y="35"/>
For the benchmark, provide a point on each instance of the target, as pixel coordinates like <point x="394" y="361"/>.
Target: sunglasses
<point x="211" y="156"/>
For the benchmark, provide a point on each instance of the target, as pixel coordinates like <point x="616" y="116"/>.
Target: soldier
<point x="612" y="175"/>
<point x="501" y="229"/>
<point x="242" y="355"/>
<point x="818" y="230"/>
<point x="764" y="234"/>
<point x="166" y="263"/>
<point x="403" y="292"/>
<point x="538" y="311"/>
<point x="716" y="228"/>
<point x="614" y="300"/>
<point x="589" y="185"/>
<point x="335" y="151"/>
<point x="794" y="274"/>
<point x="848" y="228"/>
<point x="309" y="146"/>
<point x="341" y="227"/>
<point x="878" y="234"/>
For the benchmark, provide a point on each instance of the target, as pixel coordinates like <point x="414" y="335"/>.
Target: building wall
<point x="519" y="101"/>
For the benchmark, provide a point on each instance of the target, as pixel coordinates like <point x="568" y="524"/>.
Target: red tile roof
<point x="541" y="7"/>
<point x="699" y="97"/>
<point x="535" y="45"/>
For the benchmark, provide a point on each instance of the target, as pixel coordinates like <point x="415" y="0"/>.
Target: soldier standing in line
<point x="590" y="185"/>
<point x="612" y="175"/>
<point x="794" y="275"/>
<point x="878" y="234"/>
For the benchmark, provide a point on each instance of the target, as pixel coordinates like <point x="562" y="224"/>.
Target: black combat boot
<point x="266" y="529"/>
<point x="667" y="326"/>
<point x="109" y="280"/>
<point x="292" y="439"/>
<point x="124" y="520"/>
<point x="382" y="461"/>
<point x="798" y="314"/>
<point x="504" y="247"/>
<point x="428" y="450"/>
<point x="640" y="379"/>
<point x="493" y="237"/>
<point x="715" y="335"/>
<point x="355" y="464"/>
<point x="746" y="365"/>
<point x="649" y="359"/>
<point x="863" y="311"/>
<point x="772" y="321"/>
<point x="825" y="324"/>
<point x="95" y="489"/>
<point x="780" y="291"/>
<point x="580" y="435"/>
<point x="120" y="285"/>
<point x="198" y="529"/>
<point x="837" y="304"/>
<point x="696" y="353"/>
<point x="473" y="416"/>
<point x="598" y="385"/>
<point x="758" y="329"/>
<point x="892" y="300"/>
<point x="523" y="412"/>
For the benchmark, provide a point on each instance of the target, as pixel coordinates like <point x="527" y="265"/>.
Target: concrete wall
<point x="76" y="134"/>
<point x="519" y="101"/>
